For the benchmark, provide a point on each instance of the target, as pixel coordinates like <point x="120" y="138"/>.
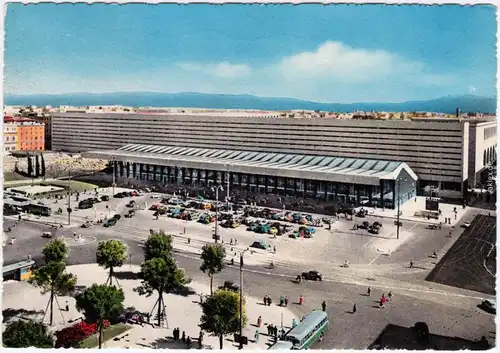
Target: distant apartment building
<point x="9" y="136"/>
<point x="438" y="150"/>
<point x="24" y="134"/>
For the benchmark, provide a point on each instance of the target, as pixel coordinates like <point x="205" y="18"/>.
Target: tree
<point x="158" y="244"/>
<point x="160" y="275"/>
<point x="37" y="166"/>
<point x="55" y="251"/>
<point x="26" y="334"/>
<point x="99" y="303"/>
<point x="42" y="166"/>
<point x="52" y="278"/>
<point x="213" y="256"/>
<point x="110" y="254"/>
<point x="221" y="314"/>
<point x="30" y="166"/>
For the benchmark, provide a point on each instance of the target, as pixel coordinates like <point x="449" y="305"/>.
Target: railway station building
<point x="347" y="181"/>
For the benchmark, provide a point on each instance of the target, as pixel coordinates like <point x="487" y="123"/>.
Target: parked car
<point x="229" y="285"/>
<point x="312" y="276"/>
<point x="260" y="245"/>
<point x="105" y="198"/>
<point x="119" y="195"/>
<point x="109" y="223"/>
<point x="130" y="214"/>
<point x="117" y="217"/>
<point x="489" y="306"/>
<point x="131" y="203"/>
<point x="466" y="225"/>
<point x="47" y="235"/>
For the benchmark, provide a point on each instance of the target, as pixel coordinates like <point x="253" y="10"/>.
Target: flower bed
<point x="70" y="336"/>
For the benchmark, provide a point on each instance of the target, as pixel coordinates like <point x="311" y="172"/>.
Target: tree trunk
<point x="51" y="307"/>
<point x="111" y="276"/>
<point x="160" y="302"/>
<point x="101" y="325"/>
<point x="221" y="341"/>
<point x="211" y="284"/>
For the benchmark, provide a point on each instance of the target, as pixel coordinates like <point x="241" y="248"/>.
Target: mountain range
<point x="448" y="104"/>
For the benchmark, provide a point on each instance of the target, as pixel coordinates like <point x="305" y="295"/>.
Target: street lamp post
<point x="69" y="197"/>
<point x="241" y="297"/>
<point x="227" y="187"/>
<point x="398" y="181"/>
<point x="113" y="185"/>
<point x="216" y="189"/>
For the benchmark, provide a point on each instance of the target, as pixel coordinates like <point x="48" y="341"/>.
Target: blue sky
<point x="336" y="53"/>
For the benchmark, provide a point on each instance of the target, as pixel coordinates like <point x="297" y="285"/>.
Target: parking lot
<point x="471" y="261"/>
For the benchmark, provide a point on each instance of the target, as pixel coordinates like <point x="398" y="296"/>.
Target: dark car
<point x="117" y="217"/>
<point x="259" y="245"/>
<point x="488" y="306"/>
<point x="105" y="198"/>
<point x="109" y="223"/>
<point x="229" y="285"/>
<point x="130" y="214"/>
<point x="131" y="203"/>
<point x="120" y="195"/>
<point x="312" y="276"/>
<point x="364" y="225"/>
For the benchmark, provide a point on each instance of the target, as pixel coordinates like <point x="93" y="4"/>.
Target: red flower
<point x="70" y="336"/>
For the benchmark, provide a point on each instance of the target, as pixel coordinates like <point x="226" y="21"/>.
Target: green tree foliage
<point x="99" y="303"/>
<point x="42" y="165"/>
<point x="27" y="334"/>
<point x="52" y="278"/>
<point x="161" y="275"/>
<point x="213" y="256"/>
<point x="37" y="166"/>
<point x="30" y="166"/>
<point x="55" y="251"/>
<point x="110" y="254"/>
<point x="221" y="314"/>
<point x="158" y="245"/>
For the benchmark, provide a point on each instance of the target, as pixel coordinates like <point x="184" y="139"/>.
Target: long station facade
<point x="347" y="181"/>
<point x="448" y="155"/>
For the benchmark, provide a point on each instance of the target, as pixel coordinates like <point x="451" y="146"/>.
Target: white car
<point x="466" y="225"/>
<point x="155" y="196"/>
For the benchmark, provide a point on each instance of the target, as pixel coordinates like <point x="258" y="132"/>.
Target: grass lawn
<point x="78" y="186"/>
<point x="109" y="333"/>
<point x="13" y="176"/>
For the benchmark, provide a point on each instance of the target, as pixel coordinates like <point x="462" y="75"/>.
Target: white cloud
<point x="223" y="69"/>
<point x="340" y="63"/>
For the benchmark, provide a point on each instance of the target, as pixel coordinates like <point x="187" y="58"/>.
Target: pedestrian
<point x="411" y="264"/>
<point x="265" y="299"/>
<point x="274" y="249"/>
<point x="389" y="295"/>
<point x="369" y="291"/>
<point x="354" y="309"/>
<point x="269" y="330"/>
<point x="294" y="323"/>
<point x="323" y="305"/>
<point x="286" y="302"/>
<point x="269" y="301"/>
<point x="256" y="336"/>
<point x="67" y="307"/>
<point x="302" y="319"/>
<point x="449" y="233"/>
<point x="259" y="321"/>
<point x="282" y="301"/>
<point x="183" y="339"/>
<point x="301" y="300"/>
<point x="176" y="334"/>
<point x="29" y="257"/>
<point x="200" y="340"/>
<point x="188" y="342"/>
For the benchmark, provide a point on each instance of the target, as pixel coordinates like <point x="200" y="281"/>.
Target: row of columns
<point x="322" y="190"/>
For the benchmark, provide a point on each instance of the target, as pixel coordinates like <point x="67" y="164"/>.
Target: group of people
<point x="284" y="301"/>
<point x="187" y="340"/>
<point x="267" y="300"/>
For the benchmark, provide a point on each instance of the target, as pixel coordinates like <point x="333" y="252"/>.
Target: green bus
<point x="282" y="345"/>
<point x="309" y="331"/>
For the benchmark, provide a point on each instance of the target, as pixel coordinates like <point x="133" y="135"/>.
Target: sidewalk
<point x="418" y="204"/>
<point x="182" y="312"/>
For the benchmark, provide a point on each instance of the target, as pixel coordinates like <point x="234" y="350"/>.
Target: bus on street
<point x="309" y="331"/>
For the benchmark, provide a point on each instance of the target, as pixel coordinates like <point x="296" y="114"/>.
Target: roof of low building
<point x="315" y="167"/>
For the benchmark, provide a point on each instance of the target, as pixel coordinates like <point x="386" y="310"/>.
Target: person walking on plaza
<point x="369" y="291"/>
<point x="286" y="302"/>
<point x="183" y="338"/>
<point x="354" y="309"/>
<point x="301" y="300"/>
<point x="389" y="295"/>
<point x="265" y="299"/>
<point x="259" y="321"/>
<point x="200" y="340"/>
<point x="323" y="305"/>
<point x="256" y="336"/>
<point x="411" y="264"/>
<point x="294" y="323"/>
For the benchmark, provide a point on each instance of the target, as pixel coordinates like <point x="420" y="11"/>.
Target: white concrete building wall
<point x="433" y="149"/>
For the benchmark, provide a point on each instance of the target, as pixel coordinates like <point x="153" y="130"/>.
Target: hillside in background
<point x="467" y="103"/>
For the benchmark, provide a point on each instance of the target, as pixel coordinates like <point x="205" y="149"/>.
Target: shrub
<point x="70" y="336"/>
